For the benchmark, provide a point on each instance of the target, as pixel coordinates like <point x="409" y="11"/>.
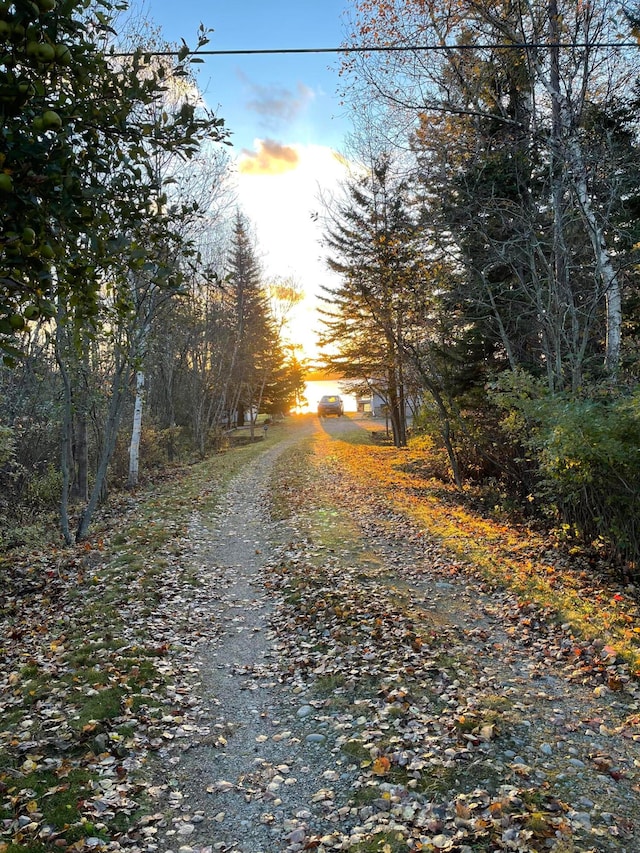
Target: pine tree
<point x="256" y="352"/>
<point x="372" y="240"/>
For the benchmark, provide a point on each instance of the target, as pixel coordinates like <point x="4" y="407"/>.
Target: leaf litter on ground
<point x="454" y="716"/>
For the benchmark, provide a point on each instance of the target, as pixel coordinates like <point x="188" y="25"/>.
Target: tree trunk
<point x="395" y="395"/>
<point x="136" y="431"/>
<point x="565" y="138"/>
<point x="604" y="265"/>
<point x="108" y="446"/>
<point x="445" y="418"/>
<point x="80" y="485"/>
<point x="80" y="448"/>
<point x="65" y="441"/>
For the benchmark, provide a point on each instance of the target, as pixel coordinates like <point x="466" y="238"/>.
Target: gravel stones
<point x="374" y="692"/>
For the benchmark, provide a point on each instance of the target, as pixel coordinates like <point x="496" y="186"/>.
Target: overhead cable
<point x="283" y="51"/>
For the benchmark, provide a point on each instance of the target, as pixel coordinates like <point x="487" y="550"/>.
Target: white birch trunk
<point x="604" y="265"/>
<point x="565" y="144"/>
<point x="136" y="431"/>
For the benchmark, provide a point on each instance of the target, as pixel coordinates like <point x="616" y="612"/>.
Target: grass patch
<point x="496" y="702"/>
<point x="55" y="799"/>
<point x="356" y="750"/>
<point x="105" y="705"/>
<point x="438" y="782"/>
<point x="389" y="842"/>
<point x="290" y="479"/>
<point x="326" y="685"/>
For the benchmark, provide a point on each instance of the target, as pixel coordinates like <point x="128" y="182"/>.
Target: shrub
<point x="587" y="452"/>
<point x="482" y="449"/>
<point x="12" y="473"/>
<point x="590" y="458"/>
<point x="44" y="489"/>
<point x="158" y="448"/>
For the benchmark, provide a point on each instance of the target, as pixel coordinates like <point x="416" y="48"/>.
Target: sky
<point x="287" y="125"/>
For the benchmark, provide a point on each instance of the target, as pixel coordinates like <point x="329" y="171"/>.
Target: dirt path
<point x="248" y="783"/>
<point x="360" y="691"/>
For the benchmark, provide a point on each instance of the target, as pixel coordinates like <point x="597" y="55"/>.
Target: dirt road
<point x="358" y="689"/>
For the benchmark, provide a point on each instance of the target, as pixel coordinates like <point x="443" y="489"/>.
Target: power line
<point x="283" y="51"/>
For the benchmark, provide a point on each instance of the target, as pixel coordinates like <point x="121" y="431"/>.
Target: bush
<point x="428" y="439"/>
<point x="590" y="459"/>
<point x="12" y="473"/>
<point x="158" y="449"/>
<point x="587" y="451"/>
<point x="44" y="490"/>
<point x="482" y="449"/>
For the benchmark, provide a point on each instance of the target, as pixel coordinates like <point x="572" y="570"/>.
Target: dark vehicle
<point x="330" y="404"/>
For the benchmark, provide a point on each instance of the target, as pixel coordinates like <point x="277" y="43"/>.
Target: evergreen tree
<point x="372" y="239"/>
<point x="255" y="351"/>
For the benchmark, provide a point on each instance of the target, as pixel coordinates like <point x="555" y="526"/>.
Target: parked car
<point x="330" y="404"/>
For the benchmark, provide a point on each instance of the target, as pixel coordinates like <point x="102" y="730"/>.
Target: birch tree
<point x="135" y="253"/>
<point x="531" y="72"/>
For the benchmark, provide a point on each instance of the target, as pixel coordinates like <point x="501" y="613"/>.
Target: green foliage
<point x="79" y="134"/>
<point x="370" y="317"/>
<point x="587" y="451"/>
<point x="12" y="475"/>
<point x="7" y="445"/>
<point x="43" y="489"/>
<point x="590" y="458"/>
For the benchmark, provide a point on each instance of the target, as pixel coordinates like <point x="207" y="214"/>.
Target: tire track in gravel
<point x="255" y="784"/>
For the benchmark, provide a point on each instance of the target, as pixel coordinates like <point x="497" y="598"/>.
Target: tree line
<point x="126" y="272"/>
<point x="487" y="247"/>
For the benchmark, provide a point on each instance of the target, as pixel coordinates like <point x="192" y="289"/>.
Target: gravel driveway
<point x="371" y="695"/>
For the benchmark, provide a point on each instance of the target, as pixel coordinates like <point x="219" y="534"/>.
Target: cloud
<point x="271" y="158"/>
<point x="290" y="237"/>
<point x="276" y="105"/>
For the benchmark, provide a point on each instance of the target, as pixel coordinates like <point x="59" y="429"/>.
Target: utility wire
<point x="381" y="49"/>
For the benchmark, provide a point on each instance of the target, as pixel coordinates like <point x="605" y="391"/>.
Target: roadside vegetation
<point x="136" y="324"/>
<point x="486" y="251"/>
<point x="464" y="700"/>
<point x="91" y="644"/>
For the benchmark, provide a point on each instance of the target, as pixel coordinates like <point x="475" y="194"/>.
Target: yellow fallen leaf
<point x="381" y="766"/>
<point x="462" y="810"/>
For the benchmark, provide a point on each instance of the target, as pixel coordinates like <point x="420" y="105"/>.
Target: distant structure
<point x="370" y="404"/>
